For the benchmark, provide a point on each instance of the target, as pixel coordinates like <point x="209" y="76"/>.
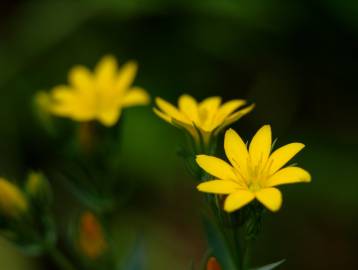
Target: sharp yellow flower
<point x="253" y="172"/>
<point x="92" y="242"/>
<point x="100" y="95"/>
<point x="207" y="117"/>
<point x="12" y="200"/>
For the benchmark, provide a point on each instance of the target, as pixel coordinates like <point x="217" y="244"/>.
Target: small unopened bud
<point x="92" y="242"/>
<point x="38" y="188"/>
<point x="213" y="264"/>
<point x="13" y="202"/>
<point x="42" y="101"/>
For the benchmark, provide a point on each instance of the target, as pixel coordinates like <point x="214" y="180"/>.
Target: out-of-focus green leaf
<point x="38" y="26"/>
<point x="136" y="259"/>
<point x="218" y="245"/>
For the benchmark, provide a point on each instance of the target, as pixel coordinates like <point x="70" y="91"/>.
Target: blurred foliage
<point x="296" y="60"/>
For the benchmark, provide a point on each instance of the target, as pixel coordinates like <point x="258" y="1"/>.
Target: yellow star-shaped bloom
<point x="100" y="95"/>
<point x="202" y="119"/>
<point x="253" y="172"/>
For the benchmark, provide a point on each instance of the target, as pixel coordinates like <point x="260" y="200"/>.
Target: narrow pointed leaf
<point x="270" y="266"/>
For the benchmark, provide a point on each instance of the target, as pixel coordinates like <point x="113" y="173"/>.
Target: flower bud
<point x="92" y="242"/>
<point x="42" y="101"/>
<point x="13" y="202"/>
<point x="213" y="264"/>
<point x="38" y="188"/>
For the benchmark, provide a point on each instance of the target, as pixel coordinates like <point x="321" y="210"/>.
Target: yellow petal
<point x="271" y="198"/>
<point x="233" y="118"/>
<point x="109" y="117"/>
<point x="81" y="78"/>
<point x="136" y="96"/>
<point x="216" y="167"/>
<point x="237" y="115"/>
<point x="237" y="200"/>
<point x="63" y="99"/>
<point x="282" y="155"/>
<point x="188" y="106"/>
<point x="218" y="186"/>
<point x="207" y="111"/>
<point x="126" y="76"/>
<point x="289" y="175"/>
<point x="62" y="93"/>
<point x="260" y="147"/>
<point x="210" y="103"/>
<point x="227" y="108"/>
<point x="105" y="72"/>
<point x="162" y="115"/>
<point x="171" y="111"/>
<point x="69" y="103"/>
<point x="236" y="151"/>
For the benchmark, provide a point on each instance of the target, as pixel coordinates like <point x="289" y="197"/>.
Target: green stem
<point x="60" y="259"/>
<point x="237" y="247"/>
<point x="246" y="255"/>
<point x="205" y="259"/>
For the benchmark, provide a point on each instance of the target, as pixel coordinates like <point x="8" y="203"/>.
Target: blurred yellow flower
<point x="208" y="117"/>
<point x="12" y="200"/>
<point x="100" y="95"/>
<point x="92" y="242"/>
<point x="253" y="172"/>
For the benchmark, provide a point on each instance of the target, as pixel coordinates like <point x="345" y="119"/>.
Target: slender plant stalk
<point x="239" y="247"/>
<point x="246" y="255"/>
<point x="60" y="259"/>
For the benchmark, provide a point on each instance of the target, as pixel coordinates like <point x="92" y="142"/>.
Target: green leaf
<point x="270" y="266"/>
<point x="136" y="259"/>
<point x="218" y="244"/>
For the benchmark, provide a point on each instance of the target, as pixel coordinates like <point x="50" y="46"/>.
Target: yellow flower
<point x="253" y="172"/>
<point x="91" y="238"/>
<point x="208" y="117"/>
<point x="12" y="200"/>
<point x="97" y="96"/>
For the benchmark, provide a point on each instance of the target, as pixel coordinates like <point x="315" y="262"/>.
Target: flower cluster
<point x="240" y="187"/>
<point x="254" y="171"/>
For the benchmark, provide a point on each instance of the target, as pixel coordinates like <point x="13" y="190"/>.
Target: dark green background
<point x="297" y="60"/>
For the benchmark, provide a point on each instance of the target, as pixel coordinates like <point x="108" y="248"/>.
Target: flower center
<point x="254" y="186"/>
